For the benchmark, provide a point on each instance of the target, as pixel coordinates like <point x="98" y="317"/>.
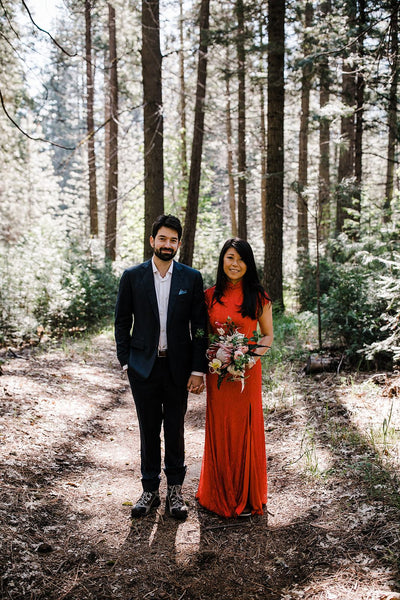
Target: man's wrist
<point x="197" y="373"/>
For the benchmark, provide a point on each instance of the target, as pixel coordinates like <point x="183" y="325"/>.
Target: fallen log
<point x="316" y="364"/>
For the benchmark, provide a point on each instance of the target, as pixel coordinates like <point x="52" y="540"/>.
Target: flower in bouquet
<point x="230" y="352"/>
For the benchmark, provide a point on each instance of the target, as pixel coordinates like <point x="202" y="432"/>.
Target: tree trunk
<point x="275" y="151"/>
<point x="263" y="137"/>
<point x="182" y="105"/>
<point x="229" y="159"/>
<point x="189" y="232"/>
<point x="302" y="199"/>
<point x="112" y="188"/>
<point x="152" y="119"/>
<point x="242" y="170"/>
<point x="106" y="85"/>
<point x="392" y="110"/>
<point x="346" y="155"/>
<point x="323" y="223"/>
<point x="358" y="143"/>
<point x="93" y="212"/>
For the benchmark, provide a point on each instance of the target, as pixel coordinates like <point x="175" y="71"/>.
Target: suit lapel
<point x="148" y="285"/>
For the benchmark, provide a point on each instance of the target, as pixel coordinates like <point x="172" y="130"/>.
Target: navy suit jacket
<point x="186" y="322"/>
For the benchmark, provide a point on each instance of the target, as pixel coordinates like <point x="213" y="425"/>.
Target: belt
<point x="162" y="353"/>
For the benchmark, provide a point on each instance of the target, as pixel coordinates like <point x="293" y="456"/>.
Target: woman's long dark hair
<point x="253" y="291"/>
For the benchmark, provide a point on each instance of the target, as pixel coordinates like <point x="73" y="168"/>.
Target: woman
<point x="233" y="480"/>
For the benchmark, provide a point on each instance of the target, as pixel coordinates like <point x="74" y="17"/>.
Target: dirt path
<point x="70" y="469"/>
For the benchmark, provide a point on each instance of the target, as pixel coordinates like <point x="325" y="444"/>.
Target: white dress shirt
<point x="163" y="287"/>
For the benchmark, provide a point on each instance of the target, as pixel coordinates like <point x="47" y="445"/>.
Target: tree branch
<point x="35" y="139"/>
<point x="46" y="32"/>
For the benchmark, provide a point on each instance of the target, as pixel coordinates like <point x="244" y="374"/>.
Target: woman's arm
<point x="266" y="328"/>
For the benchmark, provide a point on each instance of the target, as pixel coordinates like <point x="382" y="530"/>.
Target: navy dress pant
<point x="159" y="401"/>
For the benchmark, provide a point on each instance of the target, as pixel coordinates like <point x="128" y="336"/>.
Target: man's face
<point x="165" y="244"/>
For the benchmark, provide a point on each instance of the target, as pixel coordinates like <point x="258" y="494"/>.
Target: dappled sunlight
<point x="187" y="541"/>
<point x="72" y="473"/>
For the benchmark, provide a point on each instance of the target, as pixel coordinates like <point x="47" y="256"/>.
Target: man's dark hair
<point x="167" y="221"/>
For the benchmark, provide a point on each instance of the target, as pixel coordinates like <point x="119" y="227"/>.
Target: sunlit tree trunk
<point x="302" y="198"/>
<point x="242" y="169"/>
<point x="93" y="211"/>
<point x="152" y="119"/>
<point x="273" y="276"/>
<point x="189" y="232"/>
<point x="112" y="188"/>
<point x="392" y="110"/>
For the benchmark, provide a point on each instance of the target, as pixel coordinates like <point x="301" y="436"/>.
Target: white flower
<point x="231" y="369"/>
<point x="215" y="365"/>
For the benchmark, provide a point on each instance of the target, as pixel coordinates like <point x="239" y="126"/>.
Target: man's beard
<point x="165" y="255"/>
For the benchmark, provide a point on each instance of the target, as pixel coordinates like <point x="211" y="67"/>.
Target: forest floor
<point x="70" y="471"/>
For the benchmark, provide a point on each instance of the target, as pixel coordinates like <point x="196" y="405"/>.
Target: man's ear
<point x="151" y="240"/>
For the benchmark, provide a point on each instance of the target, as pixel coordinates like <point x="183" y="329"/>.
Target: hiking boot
<point x="146" y="502"/>
<point x="175" y="504"/>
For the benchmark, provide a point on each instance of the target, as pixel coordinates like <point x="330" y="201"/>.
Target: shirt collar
<point x="156" y="271"/>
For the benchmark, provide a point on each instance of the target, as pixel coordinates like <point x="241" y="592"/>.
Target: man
<point x="164" y="355"/>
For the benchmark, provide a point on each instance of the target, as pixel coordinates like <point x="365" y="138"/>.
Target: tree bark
<point x="93" y="211"/>
<point x="392" y="110"/>
<point x="275" y="152"/>
<point x="302" y="199"/>
<point x="112" y="188"/>
<point x="152" y="119"/>
<point x="242" y="169"/>
<point x="182" y="104"/>
<point x="189" y="232"/>
<point x="229" y="159"/>
<point x="346" y="155"/>
<point x="323" y="223"/>
<point x="359" y="116"/>
<point x="263" y="136"/>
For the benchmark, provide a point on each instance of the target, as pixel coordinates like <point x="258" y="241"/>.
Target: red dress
<point x="234" y="468"/>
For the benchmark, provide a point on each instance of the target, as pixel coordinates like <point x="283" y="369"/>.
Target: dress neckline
<point x="234" y="286"/>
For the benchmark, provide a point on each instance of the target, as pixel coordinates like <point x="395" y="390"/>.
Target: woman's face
<point x="234" y="266"/>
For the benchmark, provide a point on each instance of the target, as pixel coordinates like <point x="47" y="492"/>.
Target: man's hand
<point x="195" y="384"/>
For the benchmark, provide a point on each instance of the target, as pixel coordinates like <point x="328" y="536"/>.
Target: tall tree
<point x="392" y="108"/>
<point x="112" y="177"/>
<point x="273" y="273"/>
<point x="229" y="156"/>
<point x="324" y="138"/>
<point x="263" y="134"/>
<point x="93" y="211"/>
<point x="359" y="116"/>
<point x="345" y="188"/>
<point x="152" y="118"/>
<point x="182" y="103"/>
<point x="189" y="232"/>
<point x="242" y="169"/>
<point x="302" y="197"/>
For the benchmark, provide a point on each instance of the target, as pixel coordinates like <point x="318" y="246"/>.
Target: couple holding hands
<point x="162" y="318"/>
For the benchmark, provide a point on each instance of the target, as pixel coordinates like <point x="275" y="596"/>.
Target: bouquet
<point x="231" y="352"/>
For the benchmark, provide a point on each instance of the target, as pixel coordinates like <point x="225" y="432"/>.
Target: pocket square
<point x="182" y="292"/>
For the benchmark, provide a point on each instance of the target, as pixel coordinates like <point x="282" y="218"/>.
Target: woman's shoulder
<point x="209" y="292"/>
